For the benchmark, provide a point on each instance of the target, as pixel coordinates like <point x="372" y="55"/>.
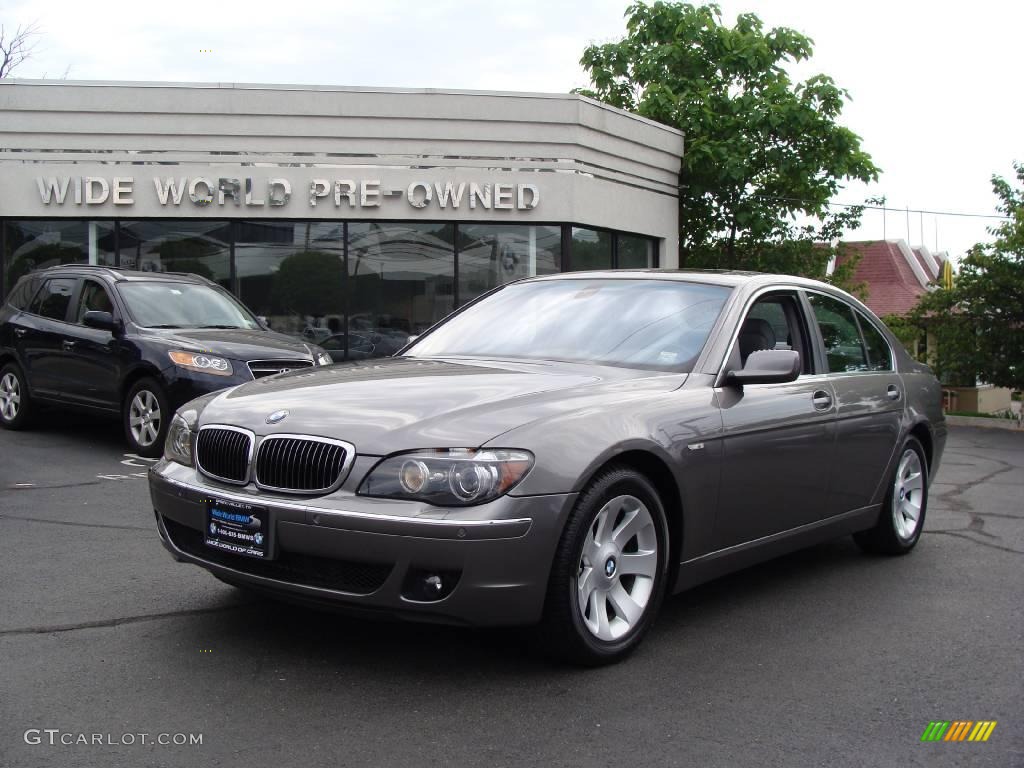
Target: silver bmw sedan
<point x="562" y="452"/>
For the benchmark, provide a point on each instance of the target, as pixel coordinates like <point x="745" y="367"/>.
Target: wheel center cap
<point x="903" y="493"/>
<point x="610" y="567"/>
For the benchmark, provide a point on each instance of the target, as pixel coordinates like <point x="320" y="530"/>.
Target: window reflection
<point x="167" y="245"/>
<point x="401" y="281"/>
<point x="38" y="244"/>
<point x="635" y="252"/>
<point x="293" y="275"/>
<point x="491" y="255"/>
<point x="590" y="249"/>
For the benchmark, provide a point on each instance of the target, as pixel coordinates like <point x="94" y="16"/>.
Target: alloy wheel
<point x="144" y="418"/>
<point x="908" y="494"/>
<point x="617" y="568"/>
<point x="10" y="396"/>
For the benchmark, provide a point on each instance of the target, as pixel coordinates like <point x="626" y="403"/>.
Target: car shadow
<point x="80" y="429"/>
<point x="284" y="634"/>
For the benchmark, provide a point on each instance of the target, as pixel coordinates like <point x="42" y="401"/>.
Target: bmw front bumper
<point x="491" y="562"/>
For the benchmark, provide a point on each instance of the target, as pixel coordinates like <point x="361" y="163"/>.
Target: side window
<point x="844" y="347"/>
<point x="22" y="293"/>
<point x="53" y="299"/>
<point x="879" y="353"/>
<point x="94" y="298"/>
<point x="774" y="322"/>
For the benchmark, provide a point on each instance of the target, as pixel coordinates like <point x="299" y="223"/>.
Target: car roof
<point x="120" y="275"/>
<point x="724" y="277"/>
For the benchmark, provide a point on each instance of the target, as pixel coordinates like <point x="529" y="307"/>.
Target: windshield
<point x="165" y="304"/>
<point x="660" y="324"/>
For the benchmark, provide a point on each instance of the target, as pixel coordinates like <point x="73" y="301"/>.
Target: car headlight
<point x="448" y="477"/>
<point x="178" y="445"/>
<point x="197" y="361"/>
<point x="323" y="358"/>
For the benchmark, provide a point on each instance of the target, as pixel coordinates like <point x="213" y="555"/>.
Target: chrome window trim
<point x="862" y="318"/>
<point x="248" y="464"/>
<point x="857" y="314"/>
<point x="346" y="467"/>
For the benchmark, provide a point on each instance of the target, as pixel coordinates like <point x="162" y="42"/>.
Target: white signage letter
<point x="50" y="188"/>
<point x="370" y="194"/>
<point x="123" y="190"/>
<point x="522" y="203"/>
<point x="481" y="193"/>
<point x="450" y="192"/>
<point x="286" y="191"/>
<point x="318" y="188"/>
<point x="91" y="198"/>
<point x="193" y="191"/>
<point x="503" y="197"/>
<point x="417" y="202"/>
<point x="165" y="187"/>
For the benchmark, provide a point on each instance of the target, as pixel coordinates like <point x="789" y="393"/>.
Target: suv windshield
<point x="660" y="324"/>
<point x="165" y="304"/>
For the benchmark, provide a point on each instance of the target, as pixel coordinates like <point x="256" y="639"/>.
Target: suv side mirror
<point x="768" y="366"/>
<point x="104" y="321"/>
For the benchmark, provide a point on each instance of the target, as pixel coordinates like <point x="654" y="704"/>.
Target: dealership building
<point x="327" y="208"/>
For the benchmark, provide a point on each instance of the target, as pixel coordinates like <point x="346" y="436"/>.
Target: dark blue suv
<point x="134" y="344"/>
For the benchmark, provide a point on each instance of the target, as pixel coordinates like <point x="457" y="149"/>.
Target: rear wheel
<point x="15" y="401"/>
<point x="902" y="517"/>
<point x="609" y="572"/>
<point x="146" y="417"/>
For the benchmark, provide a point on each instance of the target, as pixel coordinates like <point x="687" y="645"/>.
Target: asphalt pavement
<point x="823" y="658"/>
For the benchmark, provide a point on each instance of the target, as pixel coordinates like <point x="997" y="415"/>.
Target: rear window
<point x="52" y="301"/>
<point x="23" y="292"/>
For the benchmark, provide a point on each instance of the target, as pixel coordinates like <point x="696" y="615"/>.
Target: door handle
<point x="822" y="400"/>
<point x="893" y="392"/>
<point x="19" y="332"/>
<point x="68" y="345"/>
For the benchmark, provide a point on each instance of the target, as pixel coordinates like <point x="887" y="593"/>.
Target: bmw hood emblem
<point x="276" y="416"/>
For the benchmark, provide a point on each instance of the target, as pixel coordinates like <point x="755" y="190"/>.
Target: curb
<point x="981" y="421"/>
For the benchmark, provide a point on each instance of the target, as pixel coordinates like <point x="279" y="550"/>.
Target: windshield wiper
<point x="222" y="327"/>
<point x="165" y="326"/>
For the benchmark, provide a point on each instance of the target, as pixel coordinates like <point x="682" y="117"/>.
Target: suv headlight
<point x="323" y="358"/>
<point x="178" y="445"/>
<point x="448" y="477"/>
<point x="197" y="361"/>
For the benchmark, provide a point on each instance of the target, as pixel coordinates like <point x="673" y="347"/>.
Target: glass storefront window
<point x="590" y="249"/>
<point x="37" y="244"/>
<point x="635" y="252"/>
<point x="490" y="255"/>
<point x="293" y="275"/>
<point x="168" y="245"/>
<point x="401" y="281"/>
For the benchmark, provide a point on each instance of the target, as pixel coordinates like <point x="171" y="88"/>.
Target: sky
<point x="934" y="85"/>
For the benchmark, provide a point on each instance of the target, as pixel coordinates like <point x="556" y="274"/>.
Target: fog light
<point x="428" y="585"/>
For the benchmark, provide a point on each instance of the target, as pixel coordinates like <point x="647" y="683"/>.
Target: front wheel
<point x="609" y="572"/>
<point x="902" y="517"/>
<point x="146" y="417"/>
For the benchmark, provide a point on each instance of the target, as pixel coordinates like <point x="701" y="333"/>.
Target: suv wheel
<point x="15" y="401"/>
<point x="146" y="416"/>
<point x="609" y="572"/>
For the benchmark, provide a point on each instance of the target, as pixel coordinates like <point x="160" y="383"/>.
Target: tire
<point x="146" y="416"/>
<point x="590" y="566"/>
<point x="901" y="519"/>
<point x="15" y="401"/>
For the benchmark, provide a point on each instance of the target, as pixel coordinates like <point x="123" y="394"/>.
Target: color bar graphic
<point x="958" y="730"/>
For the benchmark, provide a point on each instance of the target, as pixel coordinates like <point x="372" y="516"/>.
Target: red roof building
<point x="895" y="274"/>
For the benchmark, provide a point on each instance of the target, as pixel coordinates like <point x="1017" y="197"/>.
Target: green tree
<point x="764" y="154"/>
<point x="979" y="322"/>
<point x="310" y="283"/>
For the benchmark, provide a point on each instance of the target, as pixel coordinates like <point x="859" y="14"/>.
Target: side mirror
<point x="769" y="366"/>
<point x="104" y="321"/>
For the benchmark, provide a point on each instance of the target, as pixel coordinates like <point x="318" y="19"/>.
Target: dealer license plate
<point x="236" y="527"/>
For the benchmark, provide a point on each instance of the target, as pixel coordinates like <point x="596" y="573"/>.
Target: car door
<point x="39" y="337"/>
<point x="93" y="355"/>
<point x="778" y="438"/>
<point x="869" y="400"/>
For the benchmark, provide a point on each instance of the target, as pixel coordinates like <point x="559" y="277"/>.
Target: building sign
<point x="201" y="191"/>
